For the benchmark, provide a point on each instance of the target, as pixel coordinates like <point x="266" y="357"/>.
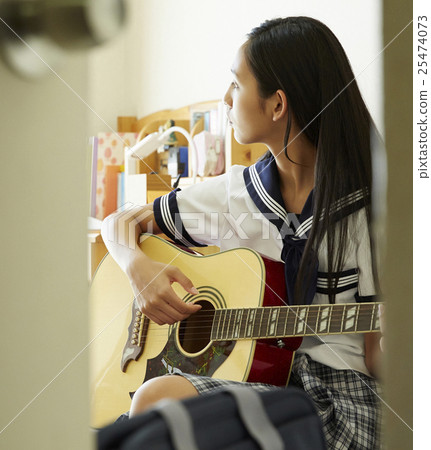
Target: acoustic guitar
<point x="244" y="330"/>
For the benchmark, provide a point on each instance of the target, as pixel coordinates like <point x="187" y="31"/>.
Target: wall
<point x="114" y="74"/>
<point x="398" y="279"/>
<point x="180" y="52"/>
<point x="44" y="319"/>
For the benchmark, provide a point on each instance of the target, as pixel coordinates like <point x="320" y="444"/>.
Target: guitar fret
<point x="324" y="319"/>
<point x="263" y="321"/>
<point x="365" y="318"/>
<point x="230" y="324"/>
<point x="316" y="325"/>
<point x="226" y="324"/>
<point x="281" y="321"/>
<point x="272" y="331"/>
<point x="285" y="321"/>
<point x="243" y="326"/>
<point x="296" y="313"/>
<point x="312" y="320"/>
<point x="300" y="326"/>
<point x="255" y="318"/>
<point x="276" y="321"/>
<point x="342" y="318"/>
<point x="215" y="325"/>
<point x="372" y="319"/>
<point x="223" y="324"/>
<point x="250" y="322"/>
<point x="330" y="318"/>
<point x="356" y="317"/>
<point x="349" y="317"/>
<point x="253" y="324"/>
<point x="236" y="328"/>
<point x="375" y="321"/>
<point x="306" y="320"/>
<point x="219" y="324"/>
<point x="264" y="331"/>
<point x="289" y="329"/>
<point x="336" y="318"/>
<point x="256" y="329"/>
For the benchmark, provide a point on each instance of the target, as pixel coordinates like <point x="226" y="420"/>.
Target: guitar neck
<point x="294" y="321"/>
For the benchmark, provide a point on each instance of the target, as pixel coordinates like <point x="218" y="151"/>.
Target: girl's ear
<point x="279" y="110"/>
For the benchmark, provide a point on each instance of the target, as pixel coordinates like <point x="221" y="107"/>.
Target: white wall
<point x="179" y="52"/>
<point x="43" y="247"/>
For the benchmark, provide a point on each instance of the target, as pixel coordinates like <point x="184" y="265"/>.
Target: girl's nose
<point x="227" y="99"/>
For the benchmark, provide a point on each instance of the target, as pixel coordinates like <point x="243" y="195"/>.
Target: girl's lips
<point x="228" y="119"/>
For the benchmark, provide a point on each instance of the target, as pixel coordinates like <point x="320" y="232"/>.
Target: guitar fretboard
<point x="291" y="321"/>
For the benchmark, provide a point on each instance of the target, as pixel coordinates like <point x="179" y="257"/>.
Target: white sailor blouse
<point x="244" y="208"/>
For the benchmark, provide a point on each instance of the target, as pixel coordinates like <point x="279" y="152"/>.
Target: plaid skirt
<point x="346" y="401"/>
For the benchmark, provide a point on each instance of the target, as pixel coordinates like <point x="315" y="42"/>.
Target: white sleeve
<point x="367" y="286"/>
<point x="193" y="216"/>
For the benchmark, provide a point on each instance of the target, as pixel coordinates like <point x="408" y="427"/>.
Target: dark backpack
<point x="234" y="417"/>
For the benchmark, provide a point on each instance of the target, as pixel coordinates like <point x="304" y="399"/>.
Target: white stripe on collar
<point x="274" y="206"/>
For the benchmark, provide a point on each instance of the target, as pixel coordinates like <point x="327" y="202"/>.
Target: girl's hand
<point x="152" y="286"/>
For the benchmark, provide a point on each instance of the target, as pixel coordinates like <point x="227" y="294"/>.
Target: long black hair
<point x="302" y="57"/>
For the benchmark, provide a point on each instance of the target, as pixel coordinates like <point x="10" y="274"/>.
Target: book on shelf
<point x="110" y="152"/>
<point x="214" y="119"/>
<point x="111" y="189"/>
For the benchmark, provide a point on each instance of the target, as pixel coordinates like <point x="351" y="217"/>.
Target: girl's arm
<point x="150" y="280"/>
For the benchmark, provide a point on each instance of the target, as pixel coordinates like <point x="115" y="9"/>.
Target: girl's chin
<point x="241" y="139"/>
<point x="237" y="137"/>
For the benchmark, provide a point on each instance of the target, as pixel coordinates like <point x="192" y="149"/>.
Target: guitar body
<point x="128" y="349"/>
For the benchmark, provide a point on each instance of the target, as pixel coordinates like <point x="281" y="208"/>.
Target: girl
<point x="293" y="89"/>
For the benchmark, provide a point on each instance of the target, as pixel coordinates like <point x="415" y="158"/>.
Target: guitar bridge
<point x="135" y="337"/>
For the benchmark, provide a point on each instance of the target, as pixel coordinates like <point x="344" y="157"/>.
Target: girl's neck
<point x="296" y="174"/>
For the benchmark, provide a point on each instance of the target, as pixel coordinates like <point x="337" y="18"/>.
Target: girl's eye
<point x="234" y="85"/>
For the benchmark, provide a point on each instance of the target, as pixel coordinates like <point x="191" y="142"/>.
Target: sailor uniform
<point x="244" y="208"/>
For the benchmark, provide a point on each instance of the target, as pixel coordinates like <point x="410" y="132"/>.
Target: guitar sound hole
<point x="195" y="332"/>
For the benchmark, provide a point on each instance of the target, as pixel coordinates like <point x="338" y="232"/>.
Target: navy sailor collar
<point x="262" y="181"/>
<point x="263" y="185"/>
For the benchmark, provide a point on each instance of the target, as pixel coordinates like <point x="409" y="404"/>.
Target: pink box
<point x="110" y="151"/>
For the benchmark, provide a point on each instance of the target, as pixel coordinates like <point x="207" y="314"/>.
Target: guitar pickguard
<point x="172" y="360"/>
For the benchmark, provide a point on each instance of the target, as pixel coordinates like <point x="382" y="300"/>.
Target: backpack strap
<point x="179" y="423"/>
<point x="255" y="418"/>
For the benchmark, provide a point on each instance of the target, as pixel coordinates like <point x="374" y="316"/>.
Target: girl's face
<point x="247" y="112"/>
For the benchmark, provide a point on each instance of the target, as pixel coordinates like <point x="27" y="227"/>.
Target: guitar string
<point x="337" y="311"/>
<point x="206" y="323"/>
<point x="206" y="318"/>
